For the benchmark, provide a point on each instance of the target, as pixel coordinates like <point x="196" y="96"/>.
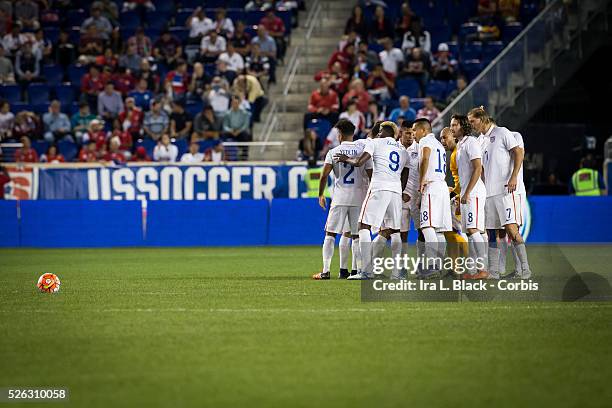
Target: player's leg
<point x="502" y="242"/>
<point x="473" y="221"/>
<point x="356" y="259"/>
<point x="512" y="208"/>
<point x="343" y="250"/>
<point x="353" y="230"/>
<point x="379" y="243"/>
<point x="494" y="211"/>
<point x="333" y="226"/>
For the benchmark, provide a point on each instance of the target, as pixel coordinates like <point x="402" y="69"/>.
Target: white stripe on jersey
<point x="351" y="183"/>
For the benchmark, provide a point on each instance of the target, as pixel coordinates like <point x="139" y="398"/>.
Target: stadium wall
<point x="94" y="223"/>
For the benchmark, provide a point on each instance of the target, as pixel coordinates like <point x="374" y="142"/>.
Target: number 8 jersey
<point x="350" y="183"/>
<point x="389" y="158"/>
<point x="436" y="170"/>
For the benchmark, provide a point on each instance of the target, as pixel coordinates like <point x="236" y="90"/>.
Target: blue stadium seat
<point x="12" y="93"/>
<point x="71" y="109"/>
<point x="148" y="144"/>
<point x="471" y="51"/>
<point x="20" y="106"/>
<point x="407" y="86"/>
<point x="40" y="146"/>
<point x="74" y="35"/>
<point x="436" y="89"/>
<point x="450" y="87"/>
<point x="75" y="18"/>
<point x="51" y="34"/>
<point x="75" y="73"/>
<point x="181" y="16"/>
<point x="129" y="19"/>
<point x="54" y="74"/>
<point x="192" y="4"/>
<point x="491" y="49"/>
<point x="453" y="47"/>
<point x="417" y="103"/>
<point x="320" y="126"/>
<point x="180" y="32"/>
<point x="156" y="19"/>
<point x="41" y="108"/>
<point x="193" y="108"/>
<point x="67" y="149"/>
<point x="166" y="6"/>
<point x="65" y="94"/>
<point x="471" y="68"/>
<point x="210" y="69"/>
<point x="373" y="46"/>
<point x="38" y="93"/>
<point x="127" y="32"/>
<point x="439" y="34"/>
<point x="181" y="145"/>
<point x="511" y="30"/>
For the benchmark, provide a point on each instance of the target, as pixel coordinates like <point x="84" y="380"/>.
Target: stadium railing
<point x="521" y="61"/>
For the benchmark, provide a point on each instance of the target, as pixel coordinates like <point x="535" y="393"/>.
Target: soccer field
<point x="243" y="327"/>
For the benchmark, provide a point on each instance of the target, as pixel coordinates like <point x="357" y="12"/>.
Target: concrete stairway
<point x="323" y="42"/>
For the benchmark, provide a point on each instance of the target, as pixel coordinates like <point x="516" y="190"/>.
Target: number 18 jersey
<point x="389" y="158"/>
<point x="351" y="183"/>
<point x="436" y="169"/>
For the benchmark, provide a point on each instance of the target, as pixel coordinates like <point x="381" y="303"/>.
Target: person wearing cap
<point x="140" y="155"/>
<point x="443" y="64"/>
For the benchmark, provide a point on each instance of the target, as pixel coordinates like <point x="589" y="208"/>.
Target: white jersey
<point x="468" y="149"/>
<point x="482" y="141"/>
<point x="389" y="158"/>
<point x="520" y="186"/>
<point x="413" y="167"/>
<point x="497" y="160"/>
<point x="436" y="170"/>
<point x="350" y="183"/>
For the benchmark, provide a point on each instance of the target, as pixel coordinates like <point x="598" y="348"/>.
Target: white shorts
<point x="473" y="213"/>
<point x="503" y="209"/>
<point x="435" y="208"/>
<point x="343" y="218"/>
<point x="382" y="206"/>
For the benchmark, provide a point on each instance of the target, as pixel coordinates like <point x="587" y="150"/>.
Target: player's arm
<point x="327" y="168"/>
<point x="518" y="154"/>
<point x="476" y="173"/>
<point x="355" y="162"/>
<point x="405" y="197"/>
<point x="423" y="167"/>
<point x="369" y="173"/>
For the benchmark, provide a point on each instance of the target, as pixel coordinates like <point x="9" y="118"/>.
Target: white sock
<point x="521" y="252"/>
<point x="441" y="244"/>
<point x="343" y="249"/>
<point x="485" y="240"/>
<point x="328" y="252"/>
<point x="503" y="251"/>
<point x="420" y="249"/>
<point x="356" y="262"/>
<point x="378" y="246"/>
<point x="493" y="259"/>
<point x="431" y="248"/>
<point x="365" y="247"/>
<point x="478" y="249"/>
<point x="518" y="268"/>
<point x="396" y="250"/>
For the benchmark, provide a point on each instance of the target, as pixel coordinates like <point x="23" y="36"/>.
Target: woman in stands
<point x="52" y="156"/>
<point x="357" y="23"/>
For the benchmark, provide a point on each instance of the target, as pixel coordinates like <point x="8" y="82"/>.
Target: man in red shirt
<point x="357" y="91"/>
<point x="131" y="118"/>
<point x="114" y="154"/>
<point x="26" y="154"/>
<point x="92" y="84"/>
<point x="276" y="29"/>
<point x="323" y="104"/>
<point x="88" y="154"/>
<point x="177" y="80"/>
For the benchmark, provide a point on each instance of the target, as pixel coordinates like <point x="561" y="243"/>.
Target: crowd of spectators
<point x="129" y="71"/>
<point x="389" y="65"/>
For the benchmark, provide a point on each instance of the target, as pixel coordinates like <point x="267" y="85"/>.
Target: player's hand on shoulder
<point x="342" y="158"/>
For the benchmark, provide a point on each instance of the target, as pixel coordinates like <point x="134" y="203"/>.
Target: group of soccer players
<point x="396" y="176"/>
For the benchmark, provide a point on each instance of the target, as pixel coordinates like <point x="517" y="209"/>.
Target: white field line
<point x="314" y="310"/>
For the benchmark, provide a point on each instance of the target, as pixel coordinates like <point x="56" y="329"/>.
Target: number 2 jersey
<point x="389" y="158"/>
<point x="350" y="183"/>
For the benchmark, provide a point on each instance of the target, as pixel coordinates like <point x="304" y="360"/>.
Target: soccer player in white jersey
<point x="502" y="159"/>
<point x="435" y="200"/>
<point x="384" y="199"/>
<point x="473" y="193"/>
<point x="349" y="190"/>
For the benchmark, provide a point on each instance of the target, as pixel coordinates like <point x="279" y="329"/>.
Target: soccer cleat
<point x="428" y="274"/>
<point x="321" y="276"/>
<point x="344" y="273"/>
<point x="467" y="276"/>
<point x="353" y="272"/>
<point x="512" y="275"/>
<point x="402" y="275"/>
<point x="360" y="276"/>
<point x="525" y="275"/>
<point x="481" y="275"/>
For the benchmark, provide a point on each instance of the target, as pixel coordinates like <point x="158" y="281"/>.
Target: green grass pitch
<point x="238" y="327"/>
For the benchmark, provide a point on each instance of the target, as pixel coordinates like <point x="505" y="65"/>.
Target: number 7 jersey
<point x="350" y="183"/>
<point x="389" y="158"/>
<point x="436" y="169"/>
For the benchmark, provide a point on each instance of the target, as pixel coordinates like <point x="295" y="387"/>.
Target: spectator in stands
<point x="218" y="97"/>
<point x="199" y="82"/>
<point x="380" y="84"/>
<point x="461" y="85"/>
<point x="80" y="121"/>
<point x="211" y="47"/>
<point x="27" y="65"/>
<point x="223" y="25"/>
<point x="110" y="103"/>
<point x="234" y="61"/>
<point x="91" y="45"/>
<point x="257" y="64"/>
<point x="142" y="42"/>
<point x="64" y="51"/>
<point x="345" y="57"/>
<point x="268" y="48"/>
<point x="180" y="121"/>
<point x="88" y="153"/>
<point x="372" y="116"/>
<point x="276" y="28"/>
<point x="310" y="146"/>
<point x="107" y="60"/>
<point x="124" y="81"/>
<point x="13" y="41"/>
<point x="381" y="26"/>
<point x="404" y="110"/>
<point x="27" y="124"/>
<point x="26" y="154"/>
<point x="249" y="87"/>
<point x="140" y="155"/>
<point x="357" y="23"/>
<point x="257" y="5"/>
<point x="7" y="121"/>
<point x="428" y="111"/>
<point x="417" y="67"/>
<point x="215" y="154"/>
<point x="156" y="121"/>
<point x="57" y="124"/>
<point x="350" y="38"/>
<point x="357" y="91"/>
<point x="241" y="39"/>
<point x="443" y="64"/>
<point x="405" y="20"/>
<point x="5" y="18"/>
<point x="225" y="74"/>
<point x="42" y="47"/>
<point x="391" y="57"/>
<point x="352" y="113"/>
<point x="167" y="49"/>
<point x="103" y="26"/>
<point x="7" y="74"/>
<point x="487" y="9"/>
<point x="338" y="79"/>
<point x="109" y="10"/>
<point x="199" y="25"/>
<point x="193" y="155"/>
<point x="164" y="150"/>
<point x="130" y="59"/>
<point x="125" y="139"/>
<point x="52" y="156"/>
<point x="416" y="37"/>
<point x="177" y="82"/>
<point x="92" y="84"/>
<point x="206" y="125"/>
<point x="323" y="104"/>
<point x="142" y="96"/>
<point x="26" y="13"/>
<point x="151" y="77"/>
<point x="114" y="153"/>
<point x="509" y="10"/>
<point x="95" y="133"/>
<point x="130" y="119"/>
<point x="371" y="56"/>
<point x="236" y="122"/>
<point x="135" y="4"/>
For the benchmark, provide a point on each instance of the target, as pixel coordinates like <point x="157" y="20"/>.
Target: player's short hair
<point x="376" y="128"/>
<point x="389" y="128"/>
<point x="345" y="127"/>
<point x="406" y="124"/>
<point x="423" y="123"/>
<point x="464" y="124"/>
<point x="480" y="113"/>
